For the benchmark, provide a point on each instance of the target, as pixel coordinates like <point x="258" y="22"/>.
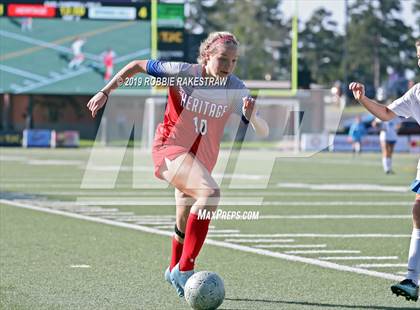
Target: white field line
<point x="359" y="257"/>
<point x="239" y="176"/>
<point x="78" y="209"/>
<point x="23" y="73"/>
<point x="39" y="185"/>
<point x="145" y="220"/>
<point x="289" y="246"/>
<point x="259" y="240"/>
<point x="147" y="201"/>
<point x="75" y="73"/>
<point x="157" y="216"/>
<point x="297" y="158"/>
<point x="110" y="215"/>
<point x="106" y="212"/>
<point x="311" y="235"/>
<point x="380" y="265"/>
<point x="89" y="209"/>
<point x="164" y="227"/>
<point x="323" y="252"/>
<point x="232" y="201"/>
<point x="54" y="162"/>
<point x="172" y="227"/>
<point x="225" y="230"/>
<point x="117" y="168"/>
<point x="151" y="223"/>
<point x="53" y="80"/>
<point x="12" y="157"/>
<point x="267" y="193"/>
<point x="335" y="216"/>
<point x="337" y="203"/>
<point x="117" y="193"/>
<point x="242" y="248"/>
<point x="136" y="193"/>
<point x="344" y="187"/>
<point x="46" y="44"/>
<point x="79" y="266"/>
<point x="77" y="186"/>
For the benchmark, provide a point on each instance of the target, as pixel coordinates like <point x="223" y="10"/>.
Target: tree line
<point x="376" y="40"/>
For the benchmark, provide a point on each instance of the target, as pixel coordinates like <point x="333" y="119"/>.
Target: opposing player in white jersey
<point x="388" y="136"/>
<point x="406" y="106"/>
<point x="187" y="142"/>
<point x="78" y="56"/>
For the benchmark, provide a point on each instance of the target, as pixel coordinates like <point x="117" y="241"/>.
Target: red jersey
<point x="195" y="116"/>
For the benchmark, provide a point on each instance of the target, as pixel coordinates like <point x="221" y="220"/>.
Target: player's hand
<point x="248" y="108"/>
<point x="358" y="90"/>
<point x="97" y="102"/>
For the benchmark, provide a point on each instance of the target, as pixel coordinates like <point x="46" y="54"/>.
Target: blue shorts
<point x="415" y="186"/>
<point x="392" y="142"/>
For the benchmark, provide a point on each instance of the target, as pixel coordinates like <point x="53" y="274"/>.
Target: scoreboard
<point x="38" y="41"/>
<point x="169" y="40"/>
<point x="95" y="10"/>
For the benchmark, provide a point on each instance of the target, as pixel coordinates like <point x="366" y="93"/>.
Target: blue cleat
<point x="179" y="278"/>
<point x="407" y="289"/>
<point x="168" y="276"/>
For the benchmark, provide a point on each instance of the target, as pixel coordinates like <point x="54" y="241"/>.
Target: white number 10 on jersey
<point x="200" y="125"/>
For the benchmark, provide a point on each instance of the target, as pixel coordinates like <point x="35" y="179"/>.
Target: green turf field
<point x="37" y="61"/>
<point x="333" y="233"/>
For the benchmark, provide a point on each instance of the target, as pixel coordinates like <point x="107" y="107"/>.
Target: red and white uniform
<point x="108" y="61"/>
<point x="78" y="56"/>
<point x="195" y="117"/>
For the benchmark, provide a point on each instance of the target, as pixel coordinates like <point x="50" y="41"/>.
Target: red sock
<point x="176" y="252"/>
<point x="195" y="234"/>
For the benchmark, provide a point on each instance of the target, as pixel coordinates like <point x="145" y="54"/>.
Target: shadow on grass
<point x="314" y="304"/>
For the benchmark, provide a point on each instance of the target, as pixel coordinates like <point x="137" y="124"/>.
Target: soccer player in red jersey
<point x="187" y="142"/>
<point x="108" y="61"/>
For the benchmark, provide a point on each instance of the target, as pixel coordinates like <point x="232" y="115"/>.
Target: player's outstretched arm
<point x="259" y="125"/>
<point x="379" y="110"/>
<point x="99" y="100"/>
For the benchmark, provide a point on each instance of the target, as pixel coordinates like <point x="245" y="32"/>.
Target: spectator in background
<point x="388" y="137"/>
<point x="356" y="133"/>
<point x="337" y="93"/>
<point x="26" y="24"/>
<point x="108" y="60"/>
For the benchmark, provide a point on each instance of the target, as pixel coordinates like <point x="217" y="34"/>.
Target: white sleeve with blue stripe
<point x="158" y="68"/>
<point x="239" y="91"/>
<point x="407" y="105"/>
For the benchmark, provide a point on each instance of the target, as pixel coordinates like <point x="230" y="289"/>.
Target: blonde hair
<point x="213" y="41"/>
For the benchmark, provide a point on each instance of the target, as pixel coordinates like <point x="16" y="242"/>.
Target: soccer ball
<point x="204" y="290"/>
